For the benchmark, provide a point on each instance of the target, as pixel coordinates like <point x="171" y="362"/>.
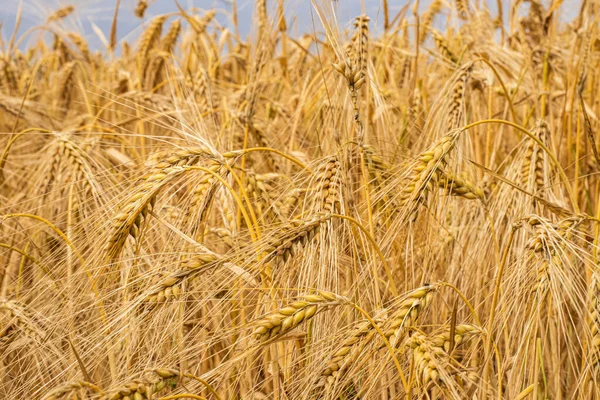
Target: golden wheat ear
<point x="425" y="174"/>
<point x="293" y="314"/>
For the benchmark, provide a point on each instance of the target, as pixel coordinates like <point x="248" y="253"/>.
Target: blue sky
<point x="99" y="13"/>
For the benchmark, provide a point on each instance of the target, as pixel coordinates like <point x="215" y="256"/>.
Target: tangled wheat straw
<point x="403" y="209"/>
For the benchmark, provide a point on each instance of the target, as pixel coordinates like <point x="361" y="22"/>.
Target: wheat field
<point x="400" y="208"/>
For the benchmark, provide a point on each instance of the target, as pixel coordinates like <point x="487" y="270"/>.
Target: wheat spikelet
<point x="256" y="190"/>
<point x="145" y="387"/>
<point x="355" y="70"/>
<point x="427" y="18"/>
<point x="64" y="149"/>
<point x="200" y="88"/>
<point x="425" y="174"/>
<point x="547" y="235"/>
<point x="457" y="97"/>
<point x="9" y="77"/>
<point x="290" y="239"/>
<point x="407" y="312"/>
<point x="379" y="170"/>
<point x="329" y="185"/>
<point x="80" y="43"/>
<point x="443" y="47"/>
<point x="416" y="110"/>
<point x="61" y="50"/>
<point x="547" y="244"/>
<point x="168" y="42"/>
<point x="140" y="8"/>
<point x="225" y="235"/>
<point x="182" y="157"/>
<point x="430" y="353"/>
<point x="259" y="189"/>
<point x="462" y="332"/>
<point x="65" y="85"/>
<point x="463" y="8"/>
<point x="77" y="158"/>
<point x="150" y="37"/>
<point x="593" y="322"/>
<point x="354" y="79"/>
<point x="287" y="204"/>
<point x="532" y="169"/>
<point x="361" y="24"/>
<point x="67" y="390"/>
<point x="123" y="83"/>
<point x="61" y="13"/>
<point x="131" y="215"/>
<point x="154" y="72"/>
<point x="53" y="170"/>
<point x="293" y="314"/>
<point x="201" y="23"/>
<point x="346" y="353"/>
<point x="170" y="287"/>
<point x="533" y="25"/>
<point x="379" y="175"/>
<point x="457" y="185"/>
<point x="136" y="207"/>
<point x="202" y="195"/>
